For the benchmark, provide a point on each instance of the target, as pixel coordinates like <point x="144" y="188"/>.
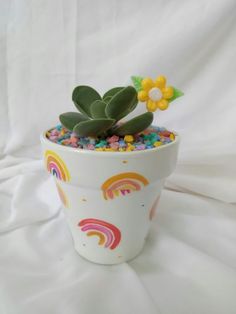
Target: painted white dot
<point x="155" y="94"/>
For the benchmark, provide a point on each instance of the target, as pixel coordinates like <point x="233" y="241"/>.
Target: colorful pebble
<point x="152" y="137"/>
<point x="129" y="138"/>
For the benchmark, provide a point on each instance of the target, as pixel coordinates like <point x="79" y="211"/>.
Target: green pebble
<point x="146" y="137"/>
<point x="153" y="135"/>
<point x="148" y="143"/>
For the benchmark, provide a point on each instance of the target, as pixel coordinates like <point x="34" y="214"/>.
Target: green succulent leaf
<point x="70" y="119"/>
<point x="107" y="99"/>
<point x="83" y="96"/>
<point x="121" y="103"/>
<point x="93" y="127"/>
<point x="112" y="92"/>
<point x="135" y="125"/>
<point x="137" y="81"/>
<point x="177" y="93"/>
<point x="97" y="109"/>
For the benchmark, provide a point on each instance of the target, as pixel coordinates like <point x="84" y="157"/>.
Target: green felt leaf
<point x="112" y="92"/>
<point x="93" y="127"/>
<point x="137" y="81"/>
<point x="97" y="109"/>
<point x="177" y="93"/>
<point x="121" y="103"/>
<point x="70" y="119"/>
<point x="83" y="96"/>
<point x="135" y="125"/>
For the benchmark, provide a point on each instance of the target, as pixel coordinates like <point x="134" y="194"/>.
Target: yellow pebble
<point x="62" y="132"/>
<point x="172" y="137"/>
<point x="142" y="95"/>
<point x="100" y="149"/>
<point x="129" y="138"/>
<point x="121" y="149"/>
<point x="160" y="81"/>
<point x="108" y="149"/>
<point x="158" y="143"/>
<point x="130" y="148"/>
<point x="147" y="83"/>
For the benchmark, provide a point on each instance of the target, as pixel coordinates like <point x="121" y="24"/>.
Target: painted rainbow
<point x="62" y="195"/>
<point x="56" y="166"/>
<point x="123" y="184"/>
<point x="108" y="234"/>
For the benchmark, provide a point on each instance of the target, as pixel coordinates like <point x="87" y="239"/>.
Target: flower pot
<point x="109" y="198"/>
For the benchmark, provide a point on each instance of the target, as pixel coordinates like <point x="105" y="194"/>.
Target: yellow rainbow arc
<point x="98" y="234"/>
<point x="56" y="166"/>
<point x="122" y="184"/>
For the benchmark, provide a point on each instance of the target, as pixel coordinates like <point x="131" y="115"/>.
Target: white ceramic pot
<point x="109" y="197"/>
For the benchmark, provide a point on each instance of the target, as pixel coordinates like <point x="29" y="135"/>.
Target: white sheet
<point x="46" y="47"/>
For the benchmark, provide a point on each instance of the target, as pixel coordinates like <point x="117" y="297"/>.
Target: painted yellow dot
<point x="125" y="161"/>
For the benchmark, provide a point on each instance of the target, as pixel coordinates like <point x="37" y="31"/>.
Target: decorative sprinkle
<point x="153" y="137"/>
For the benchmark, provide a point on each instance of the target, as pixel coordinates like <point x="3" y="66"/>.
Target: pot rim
<point x="45" y="140"/>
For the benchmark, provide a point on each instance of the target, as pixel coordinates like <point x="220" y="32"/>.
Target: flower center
<point x="155" y="94"/>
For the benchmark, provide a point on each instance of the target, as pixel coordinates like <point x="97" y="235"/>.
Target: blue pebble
<point x="122" y="144"/>
<point x="92" y="141"/>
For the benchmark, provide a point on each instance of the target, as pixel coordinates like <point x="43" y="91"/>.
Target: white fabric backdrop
<point x="46" y="48"/>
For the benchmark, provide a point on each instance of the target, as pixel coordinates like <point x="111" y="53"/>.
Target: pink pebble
<point x="73" y="140"/>
<point x="54" y="132"/>
<point x="53" y="138"/>
<point x="90" y="146"/>
<point x="113" y="139"/>
<point x="114" y="145"/>
<point x="74" y="145"/>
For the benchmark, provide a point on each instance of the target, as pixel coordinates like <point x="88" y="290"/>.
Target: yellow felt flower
<point x="155" y="93"/>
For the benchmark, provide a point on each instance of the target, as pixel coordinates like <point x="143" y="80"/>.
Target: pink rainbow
<point x="117" y="184"/>
<point x="53" y="166"/>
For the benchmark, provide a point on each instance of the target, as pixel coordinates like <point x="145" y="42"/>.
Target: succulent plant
<point x="100" y="116"/>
